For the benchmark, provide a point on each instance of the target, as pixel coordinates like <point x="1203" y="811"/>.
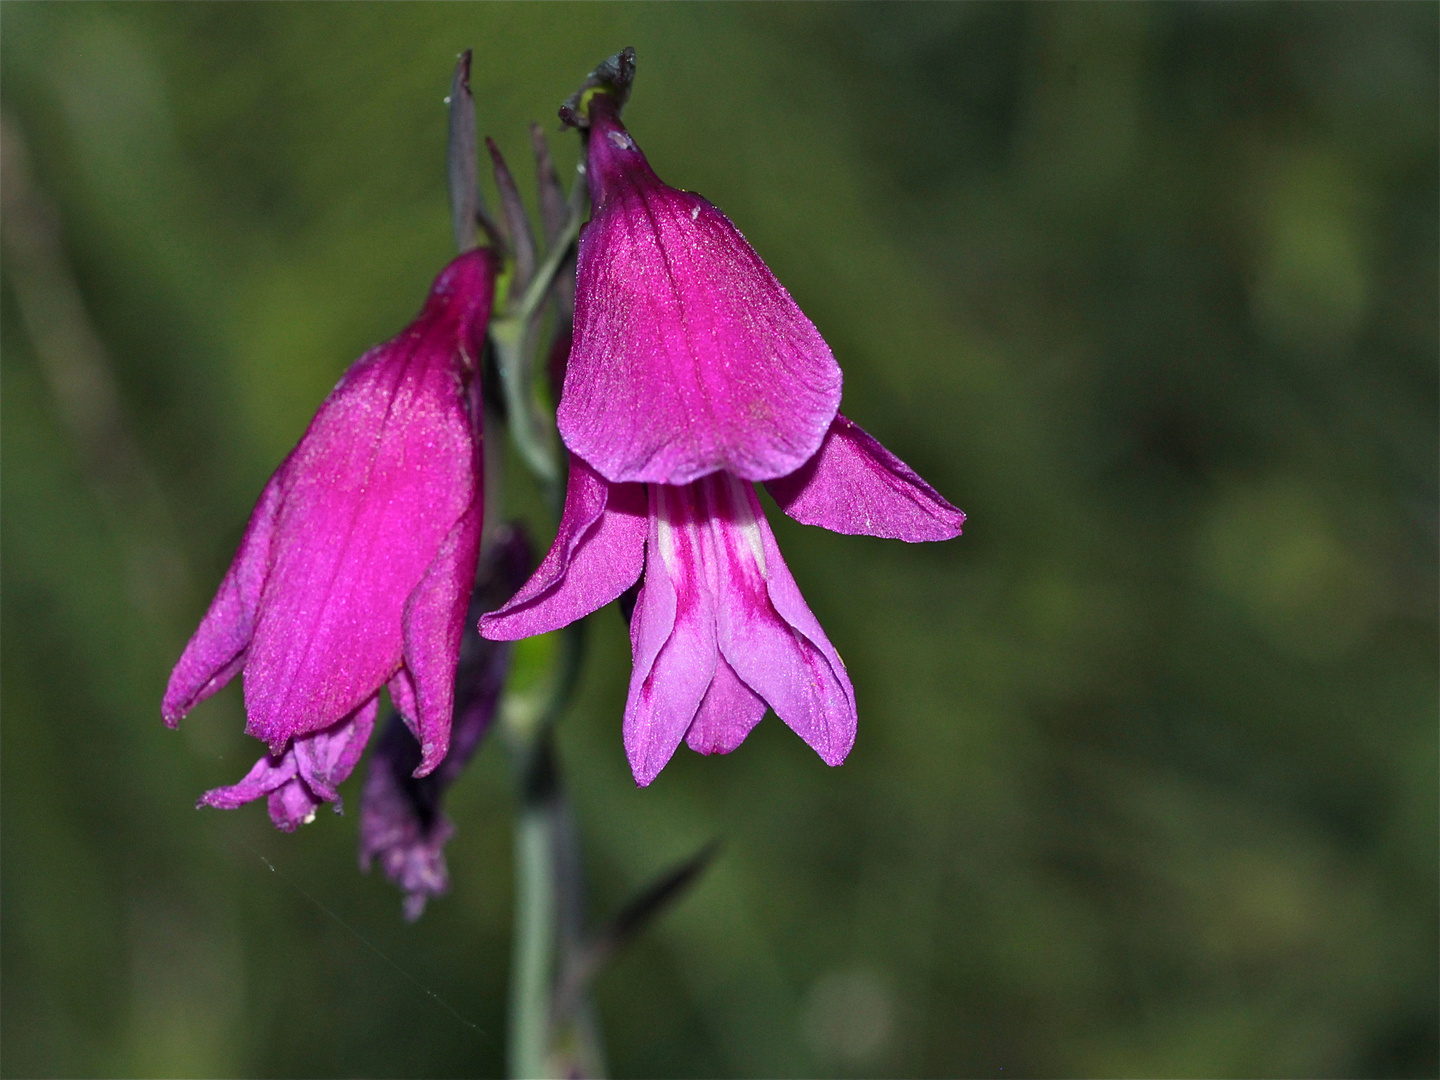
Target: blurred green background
<point x="1146" y="781"/>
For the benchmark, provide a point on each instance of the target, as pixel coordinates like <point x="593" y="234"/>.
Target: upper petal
<point x="218" y="648"/>
<point x="597" y="555"/>
<point x="384" y="472"/>
<point x="689" y="357"/>
<point x="219" y="645"/>
<point x="854" y="485"/>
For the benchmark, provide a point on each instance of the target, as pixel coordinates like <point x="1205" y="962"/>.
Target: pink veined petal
<point x="854" y="485"/>
<point x="689" y="357"/>
<point x="292" y="804"/>
<point x="728" y="713"/>
<point x="305" y="775"/>
<point x="327" y="758"/>
<point x="433" y="622"/>
<point x="218" y="648"/>
<point x="672" y="636"/>
<point x="768" y="634"/>
<point x="385" y="470"/>
<point x="598" y="553"/>
<point x="267" y="774"/>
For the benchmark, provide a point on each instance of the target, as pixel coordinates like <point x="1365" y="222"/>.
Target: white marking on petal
<point x="665" y="527"/>
<point x="620" y="140"/>
<point x="745" y="520"/>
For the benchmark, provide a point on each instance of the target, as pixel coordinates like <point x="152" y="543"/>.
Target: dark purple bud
<point x="467" y="202"/>
<point x="402" y="821"/>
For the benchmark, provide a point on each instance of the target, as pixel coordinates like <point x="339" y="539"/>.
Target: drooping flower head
<point x="356" y="568"/>
<point x="692" y="374"/>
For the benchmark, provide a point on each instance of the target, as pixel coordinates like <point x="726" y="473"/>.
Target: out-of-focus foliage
<point x="1146" y="775"/>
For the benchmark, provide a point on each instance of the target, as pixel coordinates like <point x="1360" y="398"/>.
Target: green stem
<point x="542" y="878"/>
<point x="533" y="965"/>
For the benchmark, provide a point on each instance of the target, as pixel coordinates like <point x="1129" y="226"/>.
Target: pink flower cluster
<point x="692" y="376"/>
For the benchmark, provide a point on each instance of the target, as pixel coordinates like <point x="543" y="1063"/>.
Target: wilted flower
<point x="356" y="568"/>
<point x="401" y="820"/>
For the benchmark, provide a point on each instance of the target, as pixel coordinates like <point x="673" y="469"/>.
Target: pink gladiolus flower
<point x="693" y="373"/>
<point x="356" y="568"/>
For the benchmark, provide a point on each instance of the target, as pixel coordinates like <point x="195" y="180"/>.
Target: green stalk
<point x="533" y="965"/>
<point x="542" y="830"/>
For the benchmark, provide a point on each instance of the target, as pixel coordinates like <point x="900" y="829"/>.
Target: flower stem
<point x="547" y="885"/>
<point x="532" y="966"/>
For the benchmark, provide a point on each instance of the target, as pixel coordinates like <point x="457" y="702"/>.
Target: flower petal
<point x="433" y="622"/>
<point x="305" y="775"/>
<point x="385" y="471"/>
<point x="291" y="805"/>
<point x="854" y="485"/>
<point x="264" y="776"/>
<point x="327" y="758"/>
<point x="672" y="636"/>
<point x="218" y="648"/>
<point x="689" y="357"/>
<point x="768" y="634"/>
<point x="728" y="713"/>
<point x="597" y="555"/>
<point x="402" y="696"/>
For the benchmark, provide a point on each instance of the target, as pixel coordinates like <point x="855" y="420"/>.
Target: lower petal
<point x="728" y="713"/>
<point x="854" y="485"/>
<point x="597" y="555"/>
<point x="672" y="635"/>
<point x="327" y="758"/>
<point x="292" y="805"/>
<point x="267" y="774"/>
<point x="774" y="643"/>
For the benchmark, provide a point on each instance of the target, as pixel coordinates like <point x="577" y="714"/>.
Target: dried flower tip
<point x="613" y="76"/>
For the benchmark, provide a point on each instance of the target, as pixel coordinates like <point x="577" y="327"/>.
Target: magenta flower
<point x="692" y="373"/>
<point x="356" y="568"/>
